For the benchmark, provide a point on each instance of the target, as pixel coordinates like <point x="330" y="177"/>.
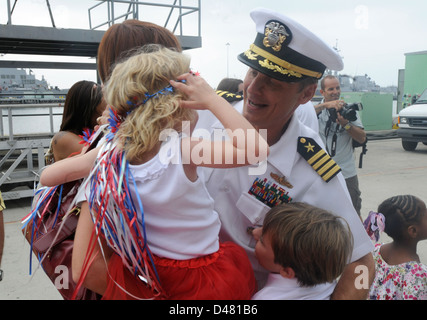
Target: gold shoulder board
<point x="230" y="97"/>
<point x="318" y="158"/>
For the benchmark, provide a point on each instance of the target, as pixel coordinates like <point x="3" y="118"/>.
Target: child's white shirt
<point x="280" y="288"/>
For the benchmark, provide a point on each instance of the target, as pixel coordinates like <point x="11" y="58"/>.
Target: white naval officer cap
<point x="285" y="50"/>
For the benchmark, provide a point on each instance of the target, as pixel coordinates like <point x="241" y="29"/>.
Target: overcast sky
<point x="372" y="36"/>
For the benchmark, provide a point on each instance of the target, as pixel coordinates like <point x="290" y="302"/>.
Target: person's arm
<point x="245" y="146"/>
<point x="355" y="132"/>
<point x="84" y="240"/>
<point x="69" y="169"/>
<point x="336" y="104"/>
<point x="356" y="280"/>
<point x="319" y="108"/>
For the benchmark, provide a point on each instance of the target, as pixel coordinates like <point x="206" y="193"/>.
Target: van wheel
<point x="409" y="145"/>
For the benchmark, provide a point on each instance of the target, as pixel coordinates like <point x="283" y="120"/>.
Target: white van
<point x="413" y="124"/>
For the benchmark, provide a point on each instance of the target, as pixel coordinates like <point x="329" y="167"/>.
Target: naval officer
<point x="285" y="63"/>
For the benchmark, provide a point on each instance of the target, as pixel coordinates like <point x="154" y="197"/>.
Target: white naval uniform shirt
<point x="280" y="288"/>
<point x="307" y="115"/>
<point x="239" y="210"/>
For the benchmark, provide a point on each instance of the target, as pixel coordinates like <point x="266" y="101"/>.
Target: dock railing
<point x="25" y="134"/>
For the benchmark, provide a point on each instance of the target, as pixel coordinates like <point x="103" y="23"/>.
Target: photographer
<point x="339" y="124"/>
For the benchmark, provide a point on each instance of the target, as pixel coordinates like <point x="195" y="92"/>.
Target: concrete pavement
<point x="387" y="170"/>
<point x="17" y="284"/>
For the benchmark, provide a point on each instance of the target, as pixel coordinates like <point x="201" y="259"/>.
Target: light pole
<point x="228" y="54"/>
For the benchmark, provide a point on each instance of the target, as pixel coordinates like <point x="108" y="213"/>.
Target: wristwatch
<point x="347" y="126"/>
<point x="1" y="274"/>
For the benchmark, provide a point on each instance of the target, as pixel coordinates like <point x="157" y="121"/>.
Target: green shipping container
<point x="377" y="113"/>
<point x="415" y="76"/>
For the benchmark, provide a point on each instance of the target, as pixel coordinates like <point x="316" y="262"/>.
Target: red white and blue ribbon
<point x="115" y="215"/>
<point x="86" y="137"/>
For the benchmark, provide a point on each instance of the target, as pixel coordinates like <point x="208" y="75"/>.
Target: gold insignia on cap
<point x="251" y="55"/>
<point x="276" y="64"/>
<point x="316" y="157"/>
<point x="268" y="65"/>
<point x="275" y="35"/>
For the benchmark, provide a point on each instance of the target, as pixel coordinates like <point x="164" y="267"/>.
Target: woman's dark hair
<point x="400" y="212"/>
<point x="80" y="105"/>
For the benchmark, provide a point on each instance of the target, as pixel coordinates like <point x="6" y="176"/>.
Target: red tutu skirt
<point x="224" y="275"/>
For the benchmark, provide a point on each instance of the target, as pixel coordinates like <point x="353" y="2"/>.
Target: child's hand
<point x="200" y="94"/>
<point x="103" y="119"/>
<point x="255" y="232"/>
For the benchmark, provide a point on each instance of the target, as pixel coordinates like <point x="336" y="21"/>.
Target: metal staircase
<point x="22" y="155"/>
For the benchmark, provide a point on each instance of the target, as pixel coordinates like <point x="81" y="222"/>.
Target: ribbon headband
<point x="165" y="91"/>
<point x="115" y="119"/>
<point x="162" y="92"/>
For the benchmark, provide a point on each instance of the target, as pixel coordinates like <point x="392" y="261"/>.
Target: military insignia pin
<point x="281" y="180"/>
<point x="275" y="35"/>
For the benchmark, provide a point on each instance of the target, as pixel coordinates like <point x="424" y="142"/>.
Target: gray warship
<point x="19" y="86"/>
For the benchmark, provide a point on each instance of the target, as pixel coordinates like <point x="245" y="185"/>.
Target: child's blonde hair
<point x="147" y="72"/>
<point x="316" y="244"/>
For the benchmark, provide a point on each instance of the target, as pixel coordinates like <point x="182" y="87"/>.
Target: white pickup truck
<point x="413" y="124"/>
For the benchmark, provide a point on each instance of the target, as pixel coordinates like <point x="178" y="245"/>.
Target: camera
<point x="348" y="112"/>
